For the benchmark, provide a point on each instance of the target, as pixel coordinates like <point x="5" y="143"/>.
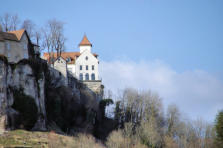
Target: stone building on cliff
<point x="82" y="65"/>
<point x="16" y="45"/>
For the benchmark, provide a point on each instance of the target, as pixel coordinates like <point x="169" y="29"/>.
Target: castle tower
<point x="85" y="45"/>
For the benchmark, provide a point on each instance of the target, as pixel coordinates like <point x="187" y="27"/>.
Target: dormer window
<point x="68" y="59"/>
<point x="86" y="58"/>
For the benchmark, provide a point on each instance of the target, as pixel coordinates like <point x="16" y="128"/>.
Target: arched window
<point x="86" y="76"/>
<point x="92" y="76"/>
<point x="81" y="76"/>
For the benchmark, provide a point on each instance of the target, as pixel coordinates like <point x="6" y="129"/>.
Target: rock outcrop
<point x="33" y="96"/>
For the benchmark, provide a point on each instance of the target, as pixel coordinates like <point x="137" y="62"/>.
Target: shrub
<point x="87" y="141"/>
<point x="118" y="139"/>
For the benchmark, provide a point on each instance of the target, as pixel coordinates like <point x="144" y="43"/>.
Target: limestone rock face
<point x="3" y="95"/>
<point x="20" y="77"/>
<point x="34" y="97"/>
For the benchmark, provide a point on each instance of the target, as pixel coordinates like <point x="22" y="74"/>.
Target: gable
<point x="91" y="57"/>
<point x="60" y="60"/>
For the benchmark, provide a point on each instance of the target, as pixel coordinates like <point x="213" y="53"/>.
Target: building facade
<point x="16" y="45"/>
<point x="86" y="68"/>
<point x="82" y="65"/>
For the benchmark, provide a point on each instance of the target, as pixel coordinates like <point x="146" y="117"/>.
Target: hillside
<point x="35" y="98"/>
<point x="22" y="138"/>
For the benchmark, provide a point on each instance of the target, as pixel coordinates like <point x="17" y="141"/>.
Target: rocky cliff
<point x="34" y="97"/>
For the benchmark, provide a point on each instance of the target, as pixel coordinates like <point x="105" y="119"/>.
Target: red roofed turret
<point x="85" y="42"/>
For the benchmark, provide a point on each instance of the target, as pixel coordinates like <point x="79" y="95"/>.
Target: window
<point x="86" y="67"/>
<point x="7" y="46"/>
<point x="9" y="54"/>
<point x="86" y="58"/>
<point x="86" y="76"/>
<point x="25" y="55"/>
<point x="81" y="76"/>
<point x="80" y="67"/>
<point x="92" y="76"/>
<point x="25" y="46"/>
<point x="92" y="67"/>
<point x="68" y="59"/>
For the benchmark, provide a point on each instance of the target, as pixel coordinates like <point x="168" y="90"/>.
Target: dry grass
<point x="21" y="138"/>
<point x="117" y="140"/>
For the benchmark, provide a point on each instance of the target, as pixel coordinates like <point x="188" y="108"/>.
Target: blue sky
<point x="185" y="35"/>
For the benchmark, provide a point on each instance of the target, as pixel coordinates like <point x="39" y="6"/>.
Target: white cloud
<point x="197" y="93"/>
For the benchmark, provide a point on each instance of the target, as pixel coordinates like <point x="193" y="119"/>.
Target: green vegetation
<point x="219" y="129"/>
<point x="103" y="103"/>
<point x="26" y="107"/>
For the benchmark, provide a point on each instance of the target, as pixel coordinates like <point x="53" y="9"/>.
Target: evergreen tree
<point x="219" y="128"/>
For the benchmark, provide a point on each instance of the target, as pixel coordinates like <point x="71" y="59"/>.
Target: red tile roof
<point x="18" y="33"/>
<point x="65" y="55"/>
<point x="12" y="35"/>
<point x="7" y="36"/>
<point x="85" y="41"/>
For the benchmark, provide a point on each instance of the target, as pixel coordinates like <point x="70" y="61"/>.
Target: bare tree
<point x="29" y="26"/>
<point x="9" y="22"/>
<point x="15" y="21"/>
<point x="53" y="37"/>
<point x="143" y="110"/>
<point x="173" y="120"/>
<point x="34" y="33"/>
<point x="38" y="36"/>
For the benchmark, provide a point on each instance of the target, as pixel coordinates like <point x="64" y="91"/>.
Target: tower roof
<point x="85" y="42"/>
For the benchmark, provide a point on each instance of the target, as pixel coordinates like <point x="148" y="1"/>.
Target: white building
<point x="82" y="65"/>
<point x="60" y="64"/>
<point x="86" y="66"/>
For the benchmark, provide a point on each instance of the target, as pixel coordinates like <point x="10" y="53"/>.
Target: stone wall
<point x="57" y="77"/>
<point x="96" y="87"/>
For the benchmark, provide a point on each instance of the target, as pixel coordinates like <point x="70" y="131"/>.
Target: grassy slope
<point x="21" y="138"/>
